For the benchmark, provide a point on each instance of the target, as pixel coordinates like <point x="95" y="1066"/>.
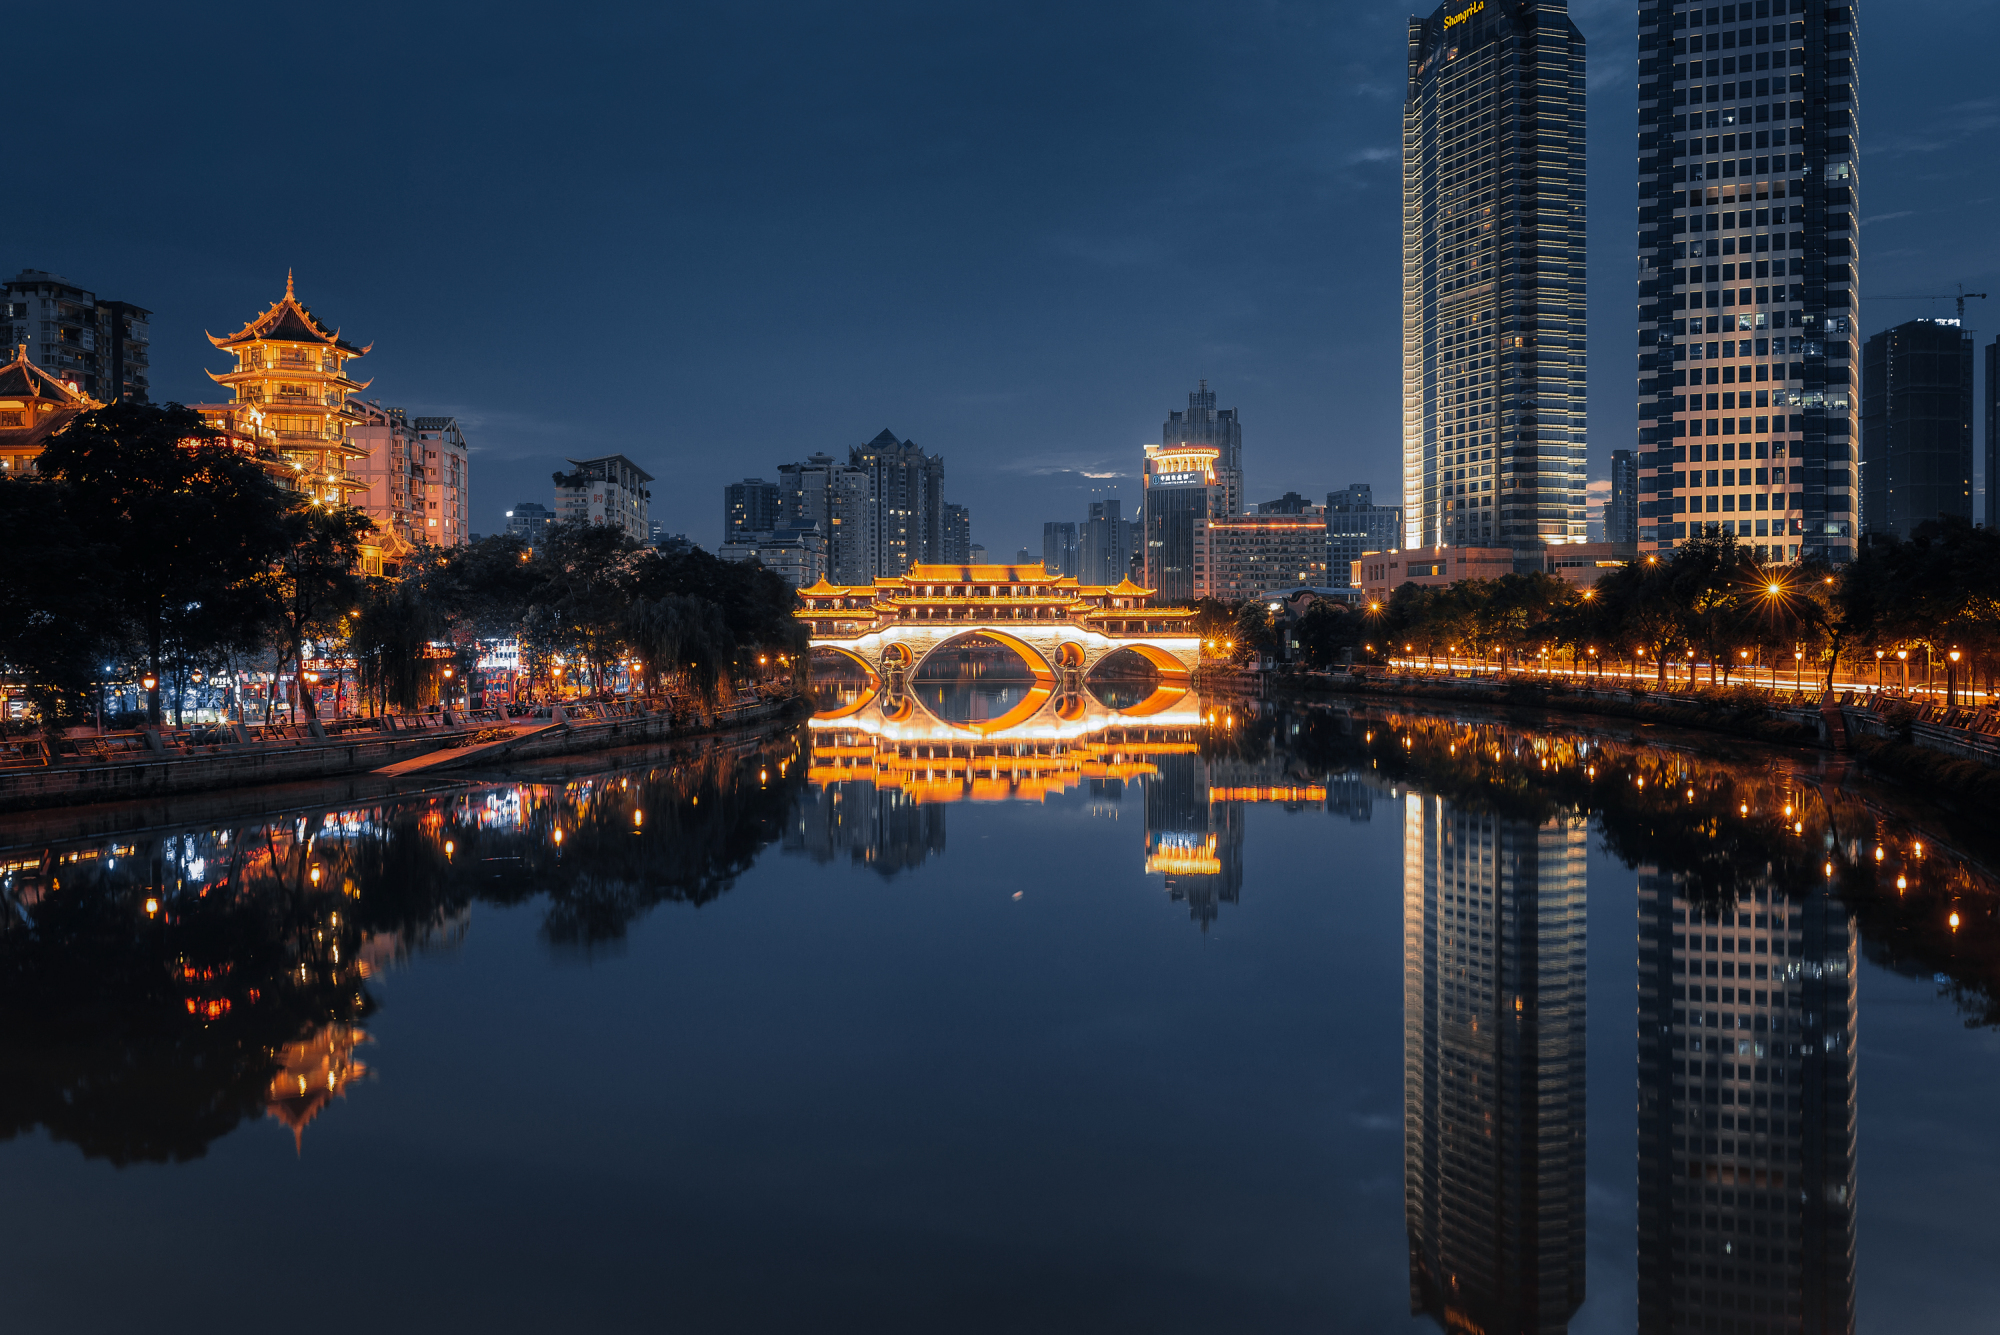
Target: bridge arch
<point x="860" y="702"/>
<point x="1043" y="678"/>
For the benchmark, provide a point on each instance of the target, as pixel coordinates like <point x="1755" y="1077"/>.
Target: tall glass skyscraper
<point x="1493" y="255"/>
<point x="1493" y="1066"/>
<point x="1747" y="254"/>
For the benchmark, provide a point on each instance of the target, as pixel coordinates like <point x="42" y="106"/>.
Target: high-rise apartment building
<point x="1247" y="555"/>
<point x="750" y="506"/>
<point x="1355" y="524"/>
<point x="906" y="487"/>
<point x="840" y="499"/>
<point x="530" y="522"/>
<point x="1059" y="555"/>
<point x="1181" y="486"/>
<point x="103" y="347"/>
<point x="1916" y="426"/>
<point x="957" y="535"/>
<point x="1104" y="546"/>
<point x="1204" y="424"/>
<point x="611" y="490"/>
<point x="1621" y="511"/>
<point x="1494" y="423"/>
<point x="418" y="472"/>
<point x="1493" y="1066"/>
<point x="1746" y="1108"/>
<point x="1747" y="288"/>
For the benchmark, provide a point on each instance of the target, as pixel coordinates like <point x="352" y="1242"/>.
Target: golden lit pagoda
<point x="291" y="388"/>
<point x="34" y="406"/>
<point x="311" y="1073"/>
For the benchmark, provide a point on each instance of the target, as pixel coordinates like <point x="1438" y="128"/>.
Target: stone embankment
<point x="165" y="761"/>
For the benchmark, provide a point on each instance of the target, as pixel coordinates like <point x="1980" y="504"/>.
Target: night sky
<point x="718" y="238"/>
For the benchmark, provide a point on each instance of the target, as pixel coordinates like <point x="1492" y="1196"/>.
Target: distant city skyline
<point x="1025" y="308"/>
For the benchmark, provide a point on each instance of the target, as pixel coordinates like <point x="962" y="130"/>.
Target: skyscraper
<point x="1621" y="512"/>
<point x="1493" y="310"/>
<point x="1355" y="524"/>
<point x="1104" y="547"/>
<point x="1059" y="548"/>
<point x="750" y="506"/>
<point x="1761" y="164"/>
<point x="1181" y="487"/>
<point x="1993" y="434"/>
<point x="1746" y="1108"/>
<point x="1204" y="424"/>
<point x="1493" y="1066"/>
<point x="906" y="488"/>
<point x="1916" y="426"/>
<point x="839" y="498"/>
<point x="957" y="535"/>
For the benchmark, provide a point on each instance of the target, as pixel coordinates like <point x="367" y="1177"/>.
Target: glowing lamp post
<point x="1798" y="668"/>
<point x="1951" y="680"/>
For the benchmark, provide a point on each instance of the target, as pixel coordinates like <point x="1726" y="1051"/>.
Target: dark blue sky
<point x="717" y="238"/>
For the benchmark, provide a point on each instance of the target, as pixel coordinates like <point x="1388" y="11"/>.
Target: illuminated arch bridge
<point x="1060" y="630"/>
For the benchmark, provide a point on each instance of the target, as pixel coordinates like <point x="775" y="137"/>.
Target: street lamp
<point x="1903" y="657"/>
<point x="1951" y="681"/>
<point x="1798" y="667"/>
<point x="1878" y="672"/>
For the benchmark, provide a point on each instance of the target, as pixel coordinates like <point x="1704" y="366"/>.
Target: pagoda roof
<point x="288" y="322"/>
<point x="22" y="379"/>
<point x="50" y="404"/>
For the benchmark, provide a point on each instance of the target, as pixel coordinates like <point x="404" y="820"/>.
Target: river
<point x="1219" y="1017"/>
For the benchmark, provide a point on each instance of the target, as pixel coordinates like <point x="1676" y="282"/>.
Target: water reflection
<point x="158" y="991"/>
<point x="973" y="679"/>
<point x="1493" y="1034"/>
<point x="161" y="990"/>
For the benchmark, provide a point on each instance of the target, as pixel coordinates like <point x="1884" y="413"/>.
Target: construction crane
<point x="1960" y="299"/>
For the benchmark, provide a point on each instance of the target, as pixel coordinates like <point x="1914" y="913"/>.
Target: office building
<point x="1493" y="1066"/>
<point x="750" y="506"/>
<point x="611" y="490"/>
<point x="1249" y="555"/>
<point x="1195" y="844"/>
<point x="1104" y="546"/>
<point x="1355" y="524"/>
<point x="1747" y="277"/>
<point x="1585" y="563"/>
<point x="1747" y="1069"/>
<point x="957" y="535"/>
<point x="1203" y="424"/>
<point x="103" y="347"/>
<point x="1596" y="499"/>
<point x="1181" y="487"/>
<point x="839" y="498"/>
<point x="1291" y="503"/>
<point x="1916" y="426"/>
<point x="906" y="489"/>
<point x="1621" y="509"/>
<point x="975" y="555"/>
<point x="1992" y="507"/>
<point x="1059" y="548"/>
<point x="531" y="522"/>
<point x="1494" y="423"/>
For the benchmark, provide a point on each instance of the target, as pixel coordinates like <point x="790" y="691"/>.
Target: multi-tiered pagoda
<point x="291" y="389"/>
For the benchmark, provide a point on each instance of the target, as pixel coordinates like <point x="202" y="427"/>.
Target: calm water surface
<point x="1288" y="1021"/>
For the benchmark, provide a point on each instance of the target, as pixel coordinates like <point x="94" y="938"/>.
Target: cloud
<point x="1884" y="217"/>
<point x="1124" y="252"/>
<point x="1373" y="155"/>
<point x="1375" y="1121"/>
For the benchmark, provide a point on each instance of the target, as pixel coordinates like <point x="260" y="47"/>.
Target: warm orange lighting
<point x="315" y="875"/>
<point x="1878" y="852"/>
<point x="1953" y="920"/>
<point x="638" y="818"/>
<point x="152" y="907"/>
<point x="1902" y="884"/>
<point x="1774" y="589"/>
<point x="449" y="848"/>
<point x="558" y="836"/>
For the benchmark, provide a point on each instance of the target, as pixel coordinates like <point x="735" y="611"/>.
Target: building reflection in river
<point x="1493" y="1066"/>
<point x="1747" y="1010"/>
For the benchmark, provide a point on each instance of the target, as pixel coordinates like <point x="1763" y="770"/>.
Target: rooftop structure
<point x="34" y="405"/>
<point x="104" y="346"/>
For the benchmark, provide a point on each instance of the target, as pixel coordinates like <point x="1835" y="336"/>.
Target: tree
<point x="191" y="523"/>
<point x="58" y="624"/>
<point x="315" y="583"/>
